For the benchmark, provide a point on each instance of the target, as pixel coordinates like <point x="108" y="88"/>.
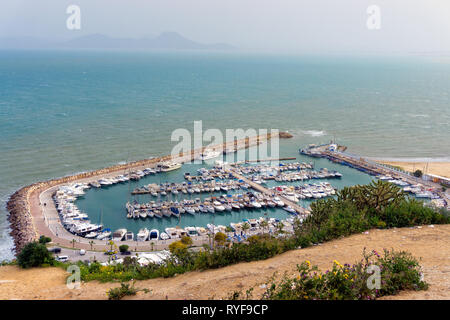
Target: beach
<point x="437" y="168"/>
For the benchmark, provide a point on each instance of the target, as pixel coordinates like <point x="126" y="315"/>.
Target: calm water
<point x="107" y="205"/>
<point x="66" y="112"/>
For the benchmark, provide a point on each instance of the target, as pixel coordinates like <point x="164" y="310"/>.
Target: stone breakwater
<point x="23" y="228"/>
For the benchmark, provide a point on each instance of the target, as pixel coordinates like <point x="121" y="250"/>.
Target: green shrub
<point x="123" y="248"/>
<point x="186" y="240"/>
<point x="398" y="271"/>
<point x="124" y="290"/>
<point x="34" y="254"/>
<point x="44" y="239"/>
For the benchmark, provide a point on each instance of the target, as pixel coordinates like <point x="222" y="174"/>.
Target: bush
<point x="44" y="239"/>
<point x="220" y="238"/>
<point x="418" y="173"/>
<point x="34" y="254"/>
<point x="124" y="290"/>
<point x="177" y="246"/>
<point x="398" y="271"/>
<point x="123" y="248"/>
<point x="186" y="240"/>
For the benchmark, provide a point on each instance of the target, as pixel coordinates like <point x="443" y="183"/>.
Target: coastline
<point x="28" y="221"/>
<point x="441" y="168"/>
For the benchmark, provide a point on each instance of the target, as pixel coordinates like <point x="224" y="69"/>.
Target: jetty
<point x="299" y="209"/>
<point x="337" y="154"/>
<point x="32" y="211"/>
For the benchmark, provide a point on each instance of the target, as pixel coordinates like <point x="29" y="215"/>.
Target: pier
<point x="338" y="155"/>
<point x="299" y="209"/>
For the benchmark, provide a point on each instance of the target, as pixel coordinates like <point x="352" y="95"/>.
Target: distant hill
<point x="166" y="40"/>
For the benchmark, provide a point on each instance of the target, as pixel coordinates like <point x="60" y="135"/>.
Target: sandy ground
<point x="438" y="168"/>
<point x="431" y="244"/>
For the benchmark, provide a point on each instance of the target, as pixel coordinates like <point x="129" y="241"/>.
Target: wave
<point x="419" y="115"/>
<point x="314" y="133"/>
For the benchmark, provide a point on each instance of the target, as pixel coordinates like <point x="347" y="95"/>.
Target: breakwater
<point x="24" y="207"/>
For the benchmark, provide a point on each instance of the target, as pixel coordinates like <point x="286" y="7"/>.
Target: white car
<point x="62" y="258"/>
<point x="82" y="252"/>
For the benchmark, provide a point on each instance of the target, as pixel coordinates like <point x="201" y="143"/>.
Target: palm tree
<point x="91" y="243"/>
<point x="73" y="243"/>
<point x="280" y="227"/>
<point x="264" y="224"/>
<point x="245" y="227"/>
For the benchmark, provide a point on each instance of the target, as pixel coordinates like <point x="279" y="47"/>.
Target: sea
<point x="64" y="112"/>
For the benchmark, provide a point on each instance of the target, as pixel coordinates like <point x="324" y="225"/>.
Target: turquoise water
<point x="107" y="205"/>
<point x="64" y="112"/>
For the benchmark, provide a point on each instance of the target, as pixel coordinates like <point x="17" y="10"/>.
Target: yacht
<point x="164" y="236"/>
<point x="208" y="155"/>
<point x="142" y="235"/>
<point x="169" y="166"/>
<point x="104" y="235"/>
<point x="119" y="234"/>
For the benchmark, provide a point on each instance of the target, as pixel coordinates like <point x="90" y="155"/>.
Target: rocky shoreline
<point x="22" y="226"/>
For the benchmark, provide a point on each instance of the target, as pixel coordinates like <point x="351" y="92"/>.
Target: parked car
<point x="62" y="258"/>
<point x="55" y="250"/>
<point x="82" y="252"/>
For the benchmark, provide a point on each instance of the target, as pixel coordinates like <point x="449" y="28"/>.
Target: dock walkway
<point x="264" y="190"/>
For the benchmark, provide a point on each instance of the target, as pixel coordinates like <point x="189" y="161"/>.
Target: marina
<point x="160" y="202"/>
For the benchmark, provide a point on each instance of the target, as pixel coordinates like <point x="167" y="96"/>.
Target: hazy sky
<point x="277" y="25"/>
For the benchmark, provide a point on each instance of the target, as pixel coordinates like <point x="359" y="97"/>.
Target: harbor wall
<point x="23" y="226"/>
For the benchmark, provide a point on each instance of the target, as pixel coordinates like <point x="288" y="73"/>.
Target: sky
<point x="261" y="25"/>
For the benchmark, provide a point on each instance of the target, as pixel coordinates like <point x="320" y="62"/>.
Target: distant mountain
<point x="166" y="40"/>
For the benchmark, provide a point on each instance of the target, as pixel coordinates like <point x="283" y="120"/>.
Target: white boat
<point x="218" y="206"/>
<point x="169" y="166"/>
<point x="290" y="209"/>
<point x="189" y="210"/>
<point x="119" y="234"/>
<point x="164" y="236"/>
<point x="104" y="235"/>
<point x="142" y="234"/>
<point x="91" y="235"/>
<point x="210" y="154"/>
<point x="172" y="233"/>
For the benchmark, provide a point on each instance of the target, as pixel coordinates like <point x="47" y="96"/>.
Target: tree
<point x="123" y="248"/>
<point x="73" y="243"/>
<point x="91" y="243"/>
<point x="418" y="173"/>
<point x="280" y="228"/>
<point x="245" y="227"/>
<point x="187" y="241"/>
<point x="177" y="247"/>
<point x="264" y="224"/>
<point x="220" y="238"/>
<point x="34" y="254"/>
<point x="44" y="239"/>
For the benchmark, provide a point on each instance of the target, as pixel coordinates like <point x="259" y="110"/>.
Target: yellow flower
<point x="308" y="262"/>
